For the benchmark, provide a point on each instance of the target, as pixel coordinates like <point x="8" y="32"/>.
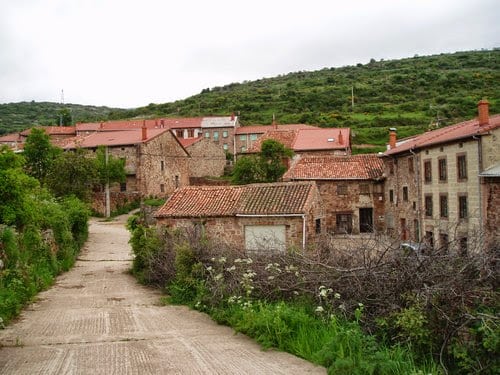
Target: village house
<point x="256" y="217"/>
<point x="351" y="189"/>
<point x="308" y="141"/>
<point x="155" y="162"/>
<point x="442" y="186"/>
<point x="207" y="159"/>
<point x="218" y="129"/>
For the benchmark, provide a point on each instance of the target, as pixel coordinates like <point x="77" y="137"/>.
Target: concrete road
<point x="97" y="320"/>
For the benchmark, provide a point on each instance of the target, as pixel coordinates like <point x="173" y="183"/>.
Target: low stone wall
<point x="117" y="199"/>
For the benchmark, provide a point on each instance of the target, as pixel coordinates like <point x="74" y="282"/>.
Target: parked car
<point x="414" y="248"/>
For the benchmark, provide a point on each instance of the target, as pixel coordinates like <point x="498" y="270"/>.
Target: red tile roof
<point x="186" y="142"/>
<point x="113" y="138"/>
<point x="255" y="199"/>
<point x="10" y="138"/>
<point x="322" y="139"/>
<point x="308" y="139"/>
<point x="354" y="167"/>
<point x="261" y="129"/>
<point x="54" y="130"/>
<point x="159" y="123"/>
<point x="447" y="134"/>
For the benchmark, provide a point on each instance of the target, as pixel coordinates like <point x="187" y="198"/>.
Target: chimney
<point x="341" y="138"/>
<point x="144" y="131"/>
<point x="392" y="138"/>
<point x="232" y="116"/>
<point x="101" y="125"/>
<point x="483" y="110"/>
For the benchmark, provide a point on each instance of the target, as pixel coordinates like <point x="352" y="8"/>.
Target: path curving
<point x="96" y="319"/>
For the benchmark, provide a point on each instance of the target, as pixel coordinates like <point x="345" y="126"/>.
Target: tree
<point x="109" y="169"/>
<point x="15" y="190"/>
<point x="73" y="173"/>
<point x="64" y="117"/>
<point x="39" y="154"/>
<point x="272" y="156"/>
<point x="267" y="166"/>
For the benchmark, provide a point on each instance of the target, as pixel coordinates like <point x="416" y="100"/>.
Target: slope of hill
<point x="411" y="94"/>
<point x="19" y="116"/>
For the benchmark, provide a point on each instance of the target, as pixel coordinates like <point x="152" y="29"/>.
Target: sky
<point x="129" y="53"/>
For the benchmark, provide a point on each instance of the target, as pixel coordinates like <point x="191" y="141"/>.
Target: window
<point x="391" y="196"/>
<point x="243" y="137"/>
<point x="427" y="171"/>
<point x="216" y="136"/>
<point x="461" y="167"/>
<point x="253" y="137"/>
<point x="462" y="206"/>
<point x="344" y="223"/>
<point x="190" y="133"/>
<point x="443" y="206"/>
<point x="405" y="193"/>
<point x="243" y="148"/>
<point x="429" y="238"/>
<point x="428" y="205"/>
<point x="341" y="189"/>
<point x="176" y="180"/>
<point x="162" y="188"/>
<point x="179" y="133"/>
<point x="318" y="226"/>
<point x="207" y="135"/>
<point x="123" y="186"/>
<point x="162" y="165"/>
<point x="462" y="246"/>
<point x="443" y="241"/>
<point x="364" y="189"/>
<point x="225" y="146"/>
<point x="224" y="134"/>
<point x="410" y="164"/>
<point x="391" y="167"/>
<point x="443" y="173"/>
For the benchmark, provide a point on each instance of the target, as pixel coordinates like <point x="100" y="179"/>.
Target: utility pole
<point x="352" y="97"/>
<point x="108" y="204"/>
<point x="62" y="103"/>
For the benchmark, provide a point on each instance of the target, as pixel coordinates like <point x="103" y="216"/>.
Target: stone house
<point x="438" y="189"/>
<point x="218" y="129"/>
<point x="207" y="159"/>
<point x="351" y="188"/>
<point x="155" y="162"/>
<point x="246" y="136"/>
<point x="309" y="141"/>
<point x="256" y="217"/>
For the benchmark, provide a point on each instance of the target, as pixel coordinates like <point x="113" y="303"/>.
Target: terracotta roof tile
<point x="112" y="138"/>
<point x="354" y="167"/>
<point x="450" y="133"/>
<point x="261" y="129"/>
<point x="255" y="199"/>
<point x="186" y="142"/>
<point x="54" y="130"/>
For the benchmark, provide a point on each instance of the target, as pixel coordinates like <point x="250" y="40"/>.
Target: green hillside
<point x="411" y="94"/>
<point x="19" y="116"/>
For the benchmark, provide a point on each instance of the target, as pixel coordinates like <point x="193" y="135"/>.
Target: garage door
<point x="265" y="238"/>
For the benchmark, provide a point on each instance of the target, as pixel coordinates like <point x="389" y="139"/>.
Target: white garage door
<point x="265" y="238"/>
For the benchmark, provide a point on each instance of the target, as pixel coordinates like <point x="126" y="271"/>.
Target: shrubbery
<point x="39" y="235"/>
<point x="357" y="310"/>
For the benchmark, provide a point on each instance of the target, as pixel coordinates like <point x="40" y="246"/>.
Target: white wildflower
<point x="336" y="296"/>
<point x="319" y="309"/>
<point x="218" y="277"/>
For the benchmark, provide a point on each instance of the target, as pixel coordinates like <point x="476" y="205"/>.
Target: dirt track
<point x="97" y="320"/>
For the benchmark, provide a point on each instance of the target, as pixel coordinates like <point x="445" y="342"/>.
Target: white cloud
<point x="128" y="53"/>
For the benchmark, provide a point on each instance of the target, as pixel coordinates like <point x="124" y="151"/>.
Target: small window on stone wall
<point x="318" y="226"/>
<point x="123" y="186"/>
<point x="162" y="188"/>
<point x="341" y="189"/>
<point x="364" y="189"/>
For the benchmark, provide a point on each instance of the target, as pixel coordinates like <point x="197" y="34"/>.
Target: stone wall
<point x="350" y="202"/>
<point x="492" y="212"/>
<point x="207" y="159"/>
<point x="231" y="230"/>
<point x="117" y="199"/>
<point x="162" y="166"/>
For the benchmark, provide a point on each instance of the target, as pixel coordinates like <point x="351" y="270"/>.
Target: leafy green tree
<point x="272" y="156"/>
<point x="267" y="166"/>
<point x="247" y="170"/>
<point x="73" y="173"/>
<point x="109" y="168"/>
<point x="64" y="117"/>
<point x="17" y="206"/>
<point x="39" y="154"/>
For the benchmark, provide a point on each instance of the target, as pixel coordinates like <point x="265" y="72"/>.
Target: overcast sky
<point x="125" y="53"/>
